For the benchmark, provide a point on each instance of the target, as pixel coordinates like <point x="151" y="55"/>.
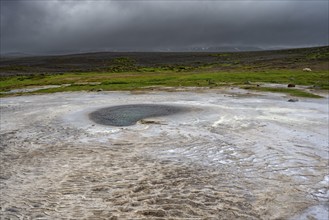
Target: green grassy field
<point x="139" y="80"/>
<point x="138" y="71"/>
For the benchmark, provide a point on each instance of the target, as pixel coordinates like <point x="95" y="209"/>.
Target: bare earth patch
<point x="234" y="155"/>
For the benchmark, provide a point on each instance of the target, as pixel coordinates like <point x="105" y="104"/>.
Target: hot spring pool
<point x="126" y="115"/>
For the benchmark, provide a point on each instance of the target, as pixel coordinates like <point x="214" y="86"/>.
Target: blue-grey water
<point x="126" y="115"/>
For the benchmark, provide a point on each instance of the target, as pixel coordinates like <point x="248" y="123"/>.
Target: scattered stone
<point x="291" y="85"/>
<point x="247" y="83"/>
<point x="99" y="90"/>
<point x="293" y="100"/>
<point x="307" y="70"/>
<point x="146" y="121"/>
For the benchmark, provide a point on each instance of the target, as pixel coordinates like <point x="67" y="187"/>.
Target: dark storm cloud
<point x="43" y="26"/>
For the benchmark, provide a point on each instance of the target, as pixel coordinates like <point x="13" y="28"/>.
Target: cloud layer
<point x="44" y="26"/>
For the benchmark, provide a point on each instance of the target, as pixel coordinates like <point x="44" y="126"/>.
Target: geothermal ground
<point x="232" y="155"/>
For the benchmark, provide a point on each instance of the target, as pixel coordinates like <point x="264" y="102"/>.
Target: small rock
<point x="247" y="83"/>
<point x="307" y="70"/>
<point x="291" y="85"/>
<point x="99" y="90"/>
<point x="293" y="100"/>
<point x="146" y="121"/>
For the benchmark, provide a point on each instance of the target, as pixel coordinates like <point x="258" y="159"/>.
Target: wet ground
<point x="234" y="155"/>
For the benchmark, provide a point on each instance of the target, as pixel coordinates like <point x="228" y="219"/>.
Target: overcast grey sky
<point x="41" y="26"/>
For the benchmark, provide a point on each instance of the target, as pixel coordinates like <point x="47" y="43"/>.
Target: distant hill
<point x="210" y="49"/>
<point x="242" y="58"/>
<point x="16" y="54"/>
